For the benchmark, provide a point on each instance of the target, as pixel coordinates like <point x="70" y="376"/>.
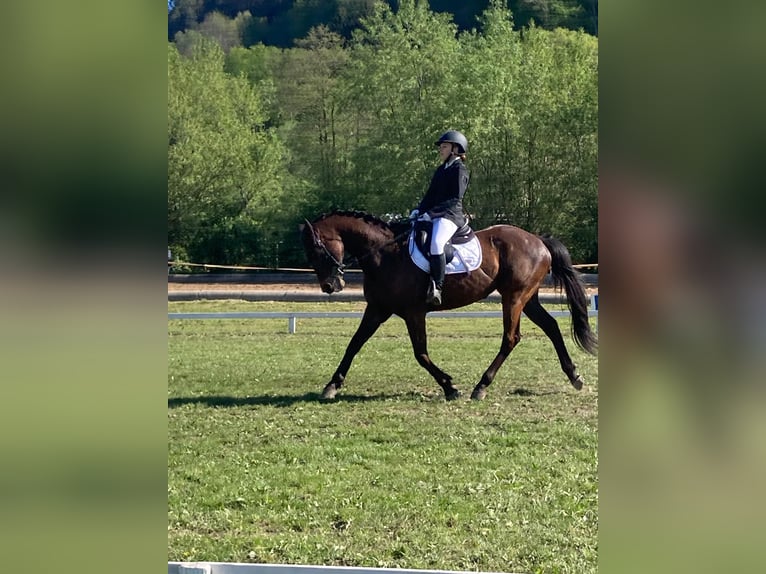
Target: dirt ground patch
<point x="248" y="287"/>
<point x="300" y="287"/>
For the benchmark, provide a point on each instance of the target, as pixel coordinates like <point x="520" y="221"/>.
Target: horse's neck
<point x="359" y="240"/>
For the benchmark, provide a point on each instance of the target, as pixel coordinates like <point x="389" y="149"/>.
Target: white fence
<point x="241" y="568"/>
<point x="293" y="316"/>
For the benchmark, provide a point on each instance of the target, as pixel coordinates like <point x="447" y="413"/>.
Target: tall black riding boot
<point x="438" y="263"/>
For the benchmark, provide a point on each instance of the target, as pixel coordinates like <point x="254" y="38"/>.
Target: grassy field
<point x="389" y="475"/>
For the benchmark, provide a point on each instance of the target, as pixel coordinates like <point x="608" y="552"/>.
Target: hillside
<point x="281" y="22"/>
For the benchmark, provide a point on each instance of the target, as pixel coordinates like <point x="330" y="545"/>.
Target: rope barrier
<point x="280" y="269"/>
<point x="236" y="267"/>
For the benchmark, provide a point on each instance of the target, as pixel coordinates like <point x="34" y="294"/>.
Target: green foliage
<point x="334" y="124"/>
<point x="491" y="80"/>
<point x="184" y="16"/>
<point x="281" y="22"/>
<point x="569" y="14"/>
<point x="224" y="166"/>
<point x="258" y="64"/>
<point x="226" y="31"/>
<point x="313" y="123"/>
<point x="400" y="87"/>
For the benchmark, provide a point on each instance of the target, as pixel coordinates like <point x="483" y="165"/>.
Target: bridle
<point x="338" y="267"/>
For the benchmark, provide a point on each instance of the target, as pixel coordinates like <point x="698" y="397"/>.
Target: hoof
<point x="577" y="382"/>
<point x="452" y="395"/>
<point x="329" y="393"/>
<point x="479" y="393"/>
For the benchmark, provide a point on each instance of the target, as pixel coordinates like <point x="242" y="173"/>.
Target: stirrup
<point x="434" y="295"/>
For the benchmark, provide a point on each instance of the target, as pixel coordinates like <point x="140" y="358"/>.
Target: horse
<point x="514" y="262"/>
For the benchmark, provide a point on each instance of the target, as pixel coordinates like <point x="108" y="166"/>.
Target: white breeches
<point x="442" y="231"/>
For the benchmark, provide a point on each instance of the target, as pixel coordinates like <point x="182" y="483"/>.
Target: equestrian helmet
<point x="455" y="137"/>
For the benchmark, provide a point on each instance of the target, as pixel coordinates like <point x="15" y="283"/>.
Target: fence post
<point x="291" y="324"/>
<point x="194" y="568"/>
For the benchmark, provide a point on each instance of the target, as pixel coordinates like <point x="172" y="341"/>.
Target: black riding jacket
<point x="444" y="197"/>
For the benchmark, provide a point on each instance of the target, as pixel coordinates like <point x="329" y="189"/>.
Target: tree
<point x="224" y="166"/>
<point x="333" y="124"/>
<point x="551" y="14"/>
<point x="492" y="57"/>
<point x="224" y="30"/>
<point x="184" y="15"/>
<point x="400" y="88"/>
<point x="531" y="112"/>
<point x="259" y="65"/>
<point x="313" y="123"/>
<point x="280" y="22"/>
<point x="557" y="153"/>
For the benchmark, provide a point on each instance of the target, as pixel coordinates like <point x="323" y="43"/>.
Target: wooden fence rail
<point x="240" y="568"/>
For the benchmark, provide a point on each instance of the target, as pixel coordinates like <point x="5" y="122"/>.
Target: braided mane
<point x="399" y="228"/>
<point x="364" y="216"/>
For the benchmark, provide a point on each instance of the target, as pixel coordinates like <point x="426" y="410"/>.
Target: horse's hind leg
<point x="511" y="337"/>
<point x="540" y="317"/>
<point x="371" y="320"/>
<point x="416" y="327"/>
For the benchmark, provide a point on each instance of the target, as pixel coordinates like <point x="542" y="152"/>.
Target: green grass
<point x="389" y="475"/>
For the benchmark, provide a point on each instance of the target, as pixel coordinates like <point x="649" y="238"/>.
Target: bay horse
<point x="514" y="262"/>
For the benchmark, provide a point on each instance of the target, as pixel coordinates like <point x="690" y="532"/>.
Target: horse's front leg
<point x="371" y="320"/>
<point x="416" y="327"/>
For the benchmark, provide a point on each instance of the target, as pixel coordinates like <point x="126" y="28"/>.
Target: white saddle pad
<point x="467" y="257"/>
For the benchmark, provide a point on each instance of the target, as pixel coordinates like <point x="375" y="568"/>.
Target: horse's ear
<point x="303" y="226"/>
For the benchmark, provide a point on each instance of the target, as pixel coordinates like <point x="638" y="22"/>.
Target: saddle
<point x="422" y="231"/>
<point x="462" y="253"/>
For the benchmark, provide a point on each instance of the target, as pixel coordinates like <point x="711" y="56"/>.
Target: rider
<point x="443" y="205"/>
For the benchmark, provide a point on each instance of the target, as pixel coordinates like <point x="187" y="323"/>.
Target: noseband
<point x="338" y="266"/>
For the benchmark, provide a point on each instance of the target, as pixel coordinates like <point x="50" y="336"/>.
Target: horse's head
<point x="324" y="251"/>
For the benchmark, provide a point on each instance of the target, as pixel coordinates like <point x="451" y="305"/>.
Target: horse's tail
<point x="564" y="275"/>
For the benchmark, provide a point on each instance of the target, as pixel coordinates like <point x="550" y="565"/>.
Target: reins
<point x="340" y="266"/>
